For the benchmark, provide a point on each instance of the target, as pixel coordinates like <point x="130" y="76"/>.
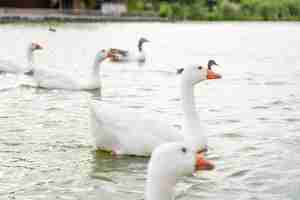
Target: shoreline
<point x="83" y="18"/>
<point x="11" y="15"/>
<point x="96" y="19"/>
<point x="78" y="18"/>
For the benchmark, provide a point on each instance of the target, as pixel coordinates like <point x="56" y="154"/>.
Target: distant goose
<point x="55" y="79"/>
<point x="129" y="132"/>
<point x="7" y="66"/>
<point x="119" y="55"/>
<point x="52" y="29"/>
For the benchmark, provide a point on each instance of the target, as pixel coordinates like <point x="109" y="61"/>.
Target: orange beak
<point x="213" y="75"/>
<point x="109" y="54"/>
<point x="203" y="164"/>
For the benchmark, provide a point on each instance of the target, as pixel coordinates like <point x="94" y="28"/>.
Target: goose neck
<point x="140" y="46"/>
<point x="30" y="58"/>
<point x="96" y="68"/>
<point x="188" y="102"/>
<point x="160" y="186"/>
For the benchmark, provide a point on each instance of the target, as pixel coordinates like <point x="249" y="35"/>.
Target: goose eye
<point x="200" y="67"/>
<point x="183" y="149"/>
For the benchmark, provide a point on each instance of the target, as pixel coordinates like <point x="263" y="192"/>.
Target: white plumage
<point x="47" y="77"/>
<point x="127" y="131"/>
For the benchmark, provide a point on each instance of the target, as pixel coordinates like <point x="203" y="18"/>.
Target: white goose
<point x="7" y="66"/>
<point x="55" y="79"/>
<point x="168" y="163"/>
<point x="125" y="131"/>
<point x="119" y="55"/>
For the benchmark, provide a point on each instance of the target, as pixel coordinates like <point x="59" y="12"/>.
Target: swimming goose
<point x="119" y="55"/>
<point x="167" y="164"/>
<point x="51" y="29"/>
<point x="55" y="79"/>
<point x="127" y="131"/>
<point x="7" y="66"/>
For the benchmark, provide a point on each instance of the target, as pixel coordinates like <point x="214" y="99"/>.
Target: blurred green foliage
<point x="223" y="10"/>
<point x="165" y="10"/>
<point x="89" y="3"/>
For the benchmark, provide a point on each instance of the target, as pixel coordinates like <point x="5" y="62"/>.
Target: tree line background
<point x="219" y="9"/>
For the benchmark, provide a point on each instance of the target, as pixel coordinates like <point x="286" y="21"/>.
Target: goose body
<point x="130" y="132"/>
<point x="119" y="55"/>
<point x="7" y="66"/>
<point x="46" y="77"/>
<point x="127" y="132"/>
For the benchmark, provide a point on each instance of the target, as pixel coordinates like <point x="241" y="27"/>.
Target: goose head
<point x="141" y="42"/>
<point x="102" y="55"/>
<point x="210" y="73"/>
<point x="35" y="46"/>
<point x="178" y="159"/>
<point x="168" y="163"/>
<point x="211" y="63"/>
<point x="197" y="73"/>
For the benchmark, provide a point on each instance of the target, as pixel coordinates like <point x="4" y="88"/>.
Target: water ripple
<point x="292" y="119"/>
<point x="239" y="173"/>
<point x="275" y="83"/>
<point x="251" y="115"/>
<point x="260" y="107"/>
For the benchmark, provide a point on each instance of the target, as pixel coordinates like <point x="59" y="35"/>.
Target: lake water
<point x="252" y="114"/>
